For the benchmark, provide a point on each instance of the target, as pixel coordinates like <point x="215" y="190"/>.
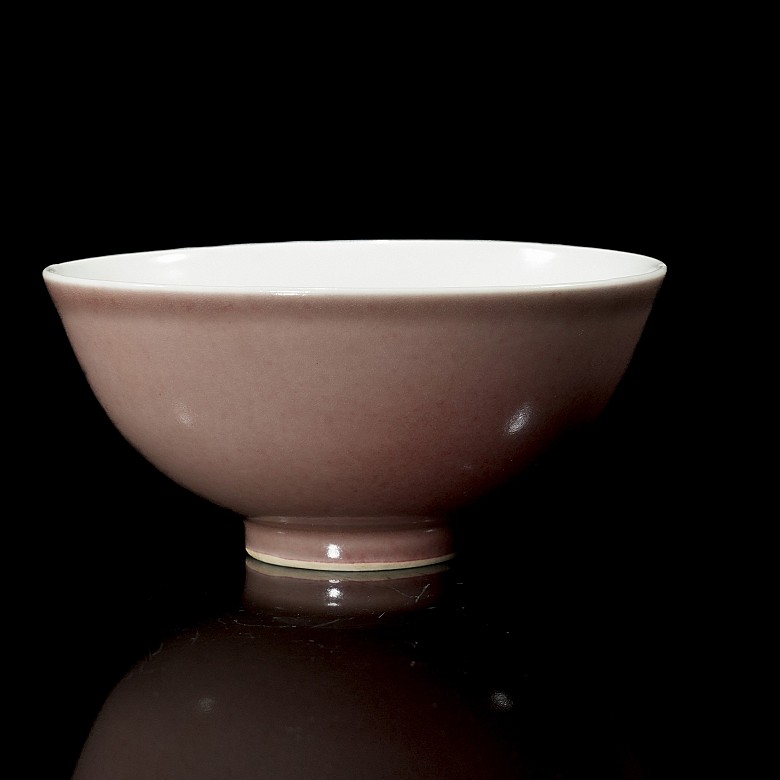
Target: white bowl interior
<point x="407" y="265"/>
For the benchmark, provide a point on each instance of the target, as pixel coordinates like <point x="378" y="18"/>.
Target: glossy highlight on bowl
<point x="345" y="397"/>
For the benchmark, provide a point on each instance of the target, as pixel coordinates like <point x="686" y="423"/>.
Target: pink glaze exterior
<point x="340" y="421"/>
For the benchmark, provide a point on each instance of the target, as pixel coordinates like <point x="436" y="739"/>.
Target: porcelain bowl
<point x="346" y="397"/>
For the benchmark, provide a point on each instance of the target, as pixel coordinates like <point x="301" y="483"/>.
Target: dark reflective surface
<point x="214" y="665"/>
<point x="337" y="687"/>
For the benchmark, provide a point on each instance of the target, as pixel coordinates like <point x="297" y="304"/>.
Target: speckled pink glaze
<point x="346" y="427"/>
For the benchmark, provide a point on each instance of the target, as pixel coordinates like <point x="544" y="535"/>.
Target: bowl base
<point x="349" y="543"/>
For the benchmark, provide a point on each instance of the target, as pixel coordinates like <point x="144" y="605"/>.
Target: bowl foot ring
<point x="349" y="543"/>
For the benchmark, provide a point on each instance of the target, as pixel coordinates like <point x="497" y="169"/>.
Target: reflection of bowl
<point x="232" y="698"/>
<point x="346" y="396"/>
<point x="309" y="594"/>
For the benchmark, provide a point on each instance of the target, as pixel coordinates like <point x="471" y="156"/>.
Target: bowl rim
<point x="654" y="272"/>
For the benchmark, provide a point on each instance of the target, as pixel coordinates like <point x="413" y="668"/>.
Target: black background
<point x="608" y="526"/>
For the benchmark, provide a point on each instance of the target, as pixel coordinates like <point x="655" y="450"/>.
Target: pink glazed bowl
<point x="345" y="397"/>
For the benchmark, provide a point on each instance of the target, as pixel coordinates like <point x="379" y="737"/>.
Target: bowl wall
<point x="365" y="404"/>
